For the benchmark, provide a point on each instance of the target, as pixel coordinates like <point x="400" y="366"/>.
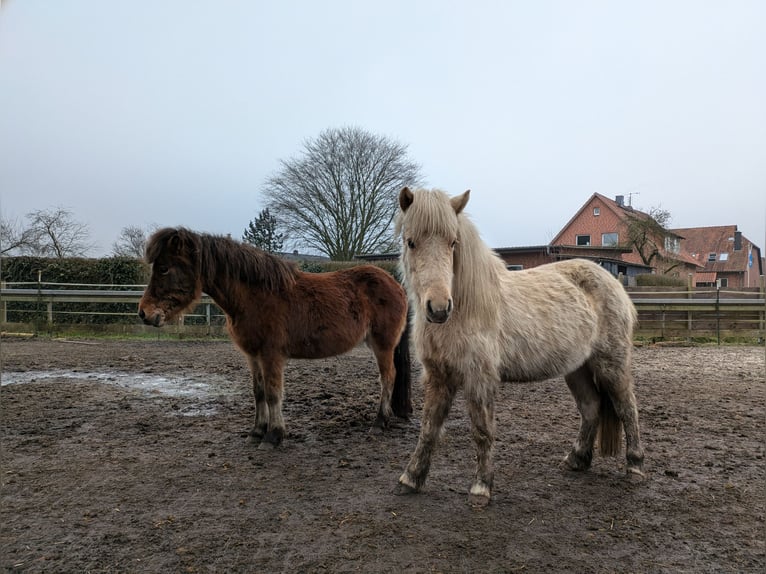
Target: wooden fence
<point x="664" y="313"/>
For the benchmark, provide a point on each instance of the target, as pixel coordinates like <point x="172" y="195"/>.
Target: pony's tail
<point x="401" y="400"/>
<point x="610" y="428"/>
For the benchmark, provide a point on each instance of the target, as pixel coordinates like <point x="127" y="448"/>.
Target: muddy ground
<point x="133" y="457"/>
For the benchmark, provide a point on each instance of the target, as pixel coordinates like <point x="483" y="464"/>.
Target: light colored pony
<point x="476" y="324"/>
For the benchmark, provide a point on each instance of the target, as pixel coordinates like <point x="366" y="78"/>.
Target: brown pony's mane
<point x="220" y="260"/>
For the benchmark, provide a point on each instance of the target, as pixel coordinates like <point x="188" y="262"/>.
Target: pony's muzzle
<point x="155" y="321"/>
<point x="439" y="313"/>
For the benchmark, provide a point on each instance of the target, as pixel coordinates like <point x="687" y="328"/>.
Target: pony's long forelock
<point x="431" y="213"/>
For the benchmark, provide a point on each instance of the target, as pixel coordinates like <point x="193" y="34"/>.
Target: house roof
<point x="620" y="210"/>
<point x="700" y="242"/>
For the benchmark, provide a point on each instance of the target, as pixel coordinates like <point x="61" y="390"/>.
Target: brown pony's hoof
<point x="376" y="430"/>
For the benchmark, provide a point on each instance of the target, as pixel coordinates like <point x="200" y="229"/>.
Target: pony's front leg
<point x="273" y="373"/>
<point x="259" y="394"/>
<point x="481" y="408"/>
<point x="439" y="395"/>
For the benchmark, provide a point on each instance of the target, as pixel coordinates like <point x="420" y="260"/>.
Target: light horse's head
<point x="175" y="282"/>
<point x="429" y="228"/>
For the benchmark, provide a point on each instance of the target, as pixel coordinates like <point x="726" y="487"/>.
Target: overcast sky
<point x="175" y="112"/>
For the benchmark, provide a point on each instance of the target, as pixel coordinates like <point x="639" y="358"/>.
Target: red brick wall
<point x="594" y="225"/>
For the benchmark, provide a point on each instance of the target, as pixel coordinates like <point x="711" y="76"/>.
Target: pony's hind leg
<point x="259" y="394"/>
<point x="624" y="401"/>
<point x="439" y="395"/>
<point x="385" y="359"/>
<point x="615" y="379"/>
<point x="583" y="388"/>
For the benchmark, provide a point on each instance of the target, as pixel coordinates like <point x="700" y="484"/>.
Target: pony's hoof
<point x="575" y="462"/>
<point x="635" y="474"/>
<point x="266" y="445"/>
<point x="376" y="430"/>
<point x="478" y="500"/>
<point x="405" y="490"/>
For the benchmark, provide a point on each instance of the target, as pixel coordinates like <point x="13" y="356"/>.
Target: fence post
<point x="718" y="311"/>
<point x="690" y="295"/>
<point x="3" y="307"/>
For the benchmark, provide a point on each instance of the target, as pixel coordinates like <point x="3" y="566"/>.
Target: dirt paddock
<point x="133" y="457"/>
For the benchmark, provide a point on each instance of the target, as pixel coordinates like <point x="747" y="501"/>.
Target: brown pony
<point x="275" y="312"/>
<point x="476" y="324"/>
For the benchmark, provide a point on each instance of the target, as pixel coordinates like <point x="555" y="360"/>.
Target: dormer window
<point x="711" y="257"/>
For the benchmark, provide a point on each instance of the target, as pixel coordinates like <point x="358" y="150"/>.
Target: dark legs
<point x="259" y="394"/>
<point x="385" y="361"/>
<point x="612" y="399"/>
<point x="269" y="427"/>
<point x="583" y="388"/>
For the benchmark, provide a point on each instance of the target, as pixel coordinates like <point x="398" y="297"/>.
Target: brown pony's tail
<point x="401" y="400"/>
<point x="610" y="428"/>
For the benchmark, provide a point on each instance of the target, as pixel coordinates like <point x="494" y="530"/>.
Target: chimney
<point x="620" y="199"/>
<point x="737" y="241"/>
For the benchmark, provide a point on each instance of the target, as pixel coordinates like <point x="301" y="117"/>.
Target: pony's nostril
<point x="449" y="306"/>
<point x="428" y="307"/>
<point x="141" y="313"/>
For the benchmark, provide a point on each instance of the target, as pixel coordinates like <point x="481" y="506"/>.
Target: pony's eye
<point x="163" y="269"/>
<point x="410" y="244"/>
<point x="453" y="244"/>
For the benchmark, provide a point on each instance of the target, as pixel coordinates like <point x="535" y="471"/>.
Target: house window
<point x="711" y="257"/>
<point x="596" y="211"/>
<point x="723" y="282"/>
<point x="514" y="267"/>
<point x="609" y="239"/>
<point x="723" y="257"/>
<point x="584" y="240"/>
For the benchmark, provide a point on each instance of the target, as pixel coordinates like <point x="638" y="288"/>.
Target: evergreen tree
<point x="262" y="232"/>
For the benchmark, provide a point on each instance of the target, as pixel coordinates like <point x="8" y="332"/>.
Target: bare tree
<point x="15" y="239"/>
<point x="339" y="196"/>
<point x="131" y="242"/>
<point x="647" y="232"/>
<point x="56" y="234"/>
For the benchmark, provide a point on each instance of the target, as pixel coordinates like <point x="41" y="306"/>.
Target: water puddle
<point x="183" y="387"/>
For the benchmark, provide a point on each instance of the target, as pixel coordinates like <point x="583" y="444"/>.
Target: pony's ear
<point x="175" y="242"/>
<point x="405" y="198"/>
<point x="458" y="202"/>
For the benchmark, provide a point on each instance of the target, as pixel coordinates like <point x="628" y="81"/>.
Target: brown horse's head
<point x="429" y="228"/>
<point x="175" y="284"/>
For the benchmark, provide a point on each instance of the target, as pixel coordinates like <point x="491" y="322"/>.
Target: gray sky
<point x="175" y="112"/>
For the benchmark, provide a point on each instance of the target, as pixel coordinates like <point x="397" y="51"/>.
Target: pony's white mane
<point x="476" y="285"/>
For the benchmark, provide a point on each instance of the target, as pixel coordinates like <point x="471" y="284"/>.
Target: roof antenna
<point x="630" y="197"/>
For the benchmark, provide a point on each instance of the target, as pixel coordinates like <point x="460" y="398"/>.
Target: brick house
<point x="726" y="254"/>
<point x="602" y="222"/>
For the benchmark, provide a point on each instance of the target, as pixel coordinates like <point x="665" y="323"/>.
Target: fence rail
<point x="662" y="314"/>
